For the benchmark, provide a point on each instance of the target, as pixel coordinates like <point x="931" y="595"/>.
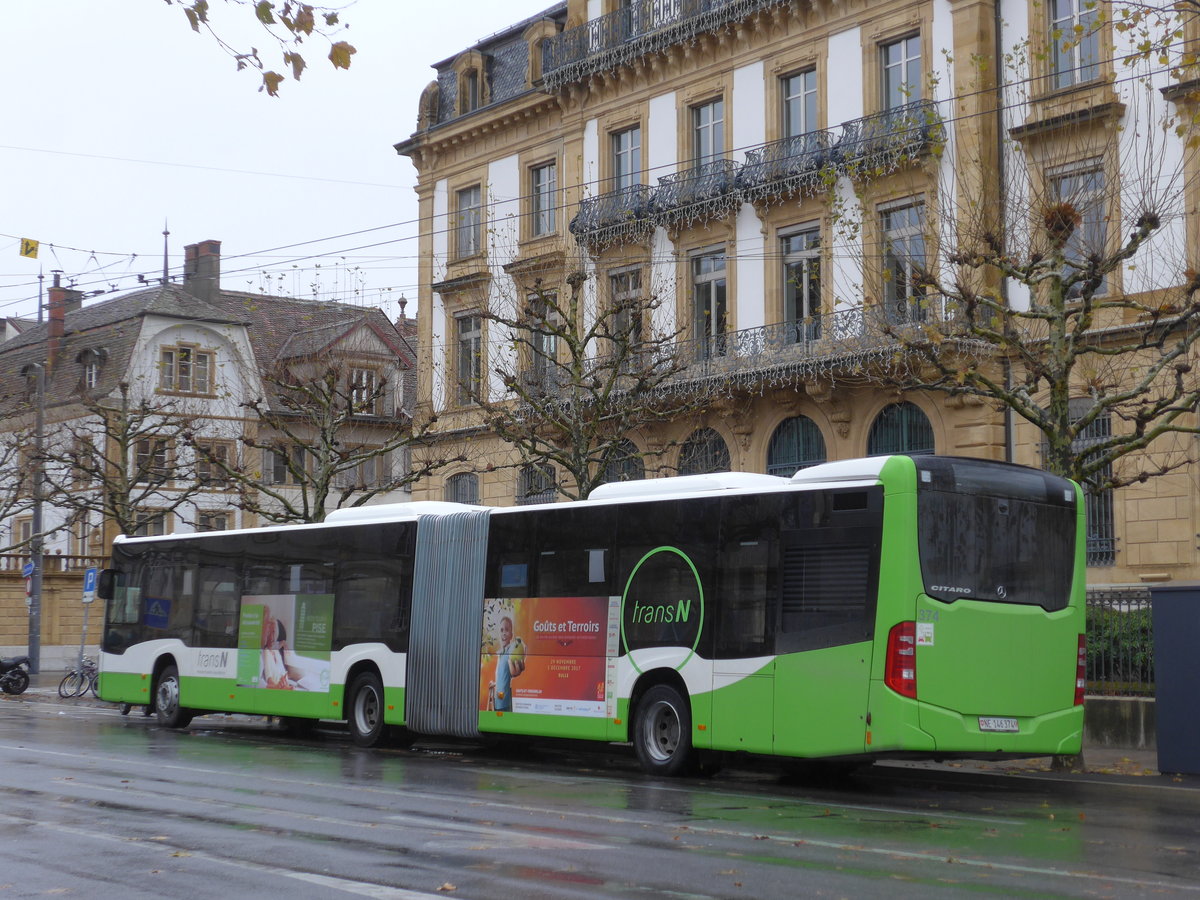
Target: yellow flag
<point x="29" y="248"/>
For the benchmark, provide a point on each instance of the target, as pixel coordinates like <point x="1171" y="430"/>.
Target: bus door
<point x="829" y="575"/>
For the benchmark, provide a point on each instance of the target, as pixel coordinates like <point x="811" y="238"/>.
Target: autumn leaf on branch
<point x="288" y="23"/>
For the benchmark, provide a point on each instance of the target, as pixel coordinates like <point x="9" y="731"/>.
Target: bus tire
<point x="166" y="700"/>
<point x="365" y="710"/>
<point x="662" y="732"/>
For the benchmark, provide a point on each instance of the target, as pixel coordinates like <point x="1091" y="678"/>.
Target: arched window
<point x="463" y="488"/>
<point x="625" y="465"/>
<point x="796" y="444"/>
<point x="704" y="452"/>
<point x="900" y="428"/>
<point x="536" y="484"/>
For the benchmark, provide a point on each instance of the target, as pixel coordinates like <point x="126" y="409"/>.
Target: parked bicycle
<point x="80" y="679"/>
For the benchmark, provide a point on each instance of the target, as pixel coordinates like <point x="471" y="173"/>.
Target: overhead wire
<point x="492" y="205"/>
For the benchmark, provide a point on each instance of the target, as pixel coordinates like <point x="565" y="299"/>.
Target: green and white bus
<point x="893" y="606"/>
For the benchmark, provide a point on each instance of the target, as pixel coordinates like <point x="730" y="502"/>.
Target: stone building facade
<point x="765" y="169"/>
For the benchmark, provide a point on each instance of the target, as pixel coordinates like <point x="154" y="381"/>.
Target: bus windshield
<point x="995" y="532"/>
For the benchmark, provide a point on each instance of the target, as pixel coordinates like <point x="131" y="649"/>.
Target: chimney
<point x="62" y="301"/>
<point x="202" y="270"/>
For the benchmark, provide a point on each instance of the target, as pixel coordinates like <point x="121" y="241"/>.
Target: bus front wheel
<point x="662" y="734"/>
<point x="166" y="700"/>
<point x="366" y="710"/>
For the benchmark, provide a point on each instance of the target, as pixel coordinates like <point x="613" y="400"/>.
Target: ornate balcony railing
<point x="870" y="146"/>
<point x="702" y="193"/>
<point x="880" y="142"/>
<point x="785" y="167"/>
<point x="621" y="214"/>
<point x="645" y="26"/>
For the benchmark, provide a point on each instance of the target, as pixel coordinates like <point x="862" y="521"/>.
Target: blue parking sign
<point x="90" y="577"/>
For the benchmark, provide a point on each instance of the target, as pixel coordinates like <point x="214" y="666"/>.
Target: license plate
<point x="997" y="723"/>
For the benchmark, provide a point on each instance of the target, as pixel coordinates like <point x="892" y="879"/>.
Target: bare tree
<point x="16" y="484"/>
<point x="327" y="437"/>
<point x="1062" y="294"/>
<point x="121" y="460"/>
<point x="581" y="379"/>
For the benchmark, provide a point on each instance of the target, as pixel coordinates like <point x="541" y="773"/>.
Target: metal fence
<point x="1120" y="643"/>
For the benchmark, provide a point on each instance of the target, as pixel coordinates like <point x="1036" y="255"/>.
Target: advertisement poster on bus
<point x="284" y="641"/>
<point x="549" y="655"/>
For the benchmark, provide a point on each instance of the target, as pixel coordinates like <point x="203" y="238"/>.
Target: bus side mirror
<point x="104" y="584"/>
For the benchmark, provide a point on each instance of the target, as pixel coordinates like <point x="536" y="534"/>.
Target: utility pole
<point x="39" y="470"/>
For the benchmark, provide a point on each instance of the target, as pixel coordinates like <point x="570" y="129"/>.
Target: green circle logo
<point x="672" y="612"/>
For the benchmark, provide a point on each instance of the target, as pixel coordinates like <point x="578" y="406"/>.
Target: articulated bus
<point x="893" y="606"/>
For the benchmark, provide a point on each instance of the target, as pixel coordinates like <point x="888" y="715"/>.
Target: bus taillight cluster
<point x="900" y="673"/>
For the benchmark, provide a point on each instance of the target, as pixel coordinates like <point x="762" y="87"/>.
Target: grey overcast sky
<point x="116" y="117"/>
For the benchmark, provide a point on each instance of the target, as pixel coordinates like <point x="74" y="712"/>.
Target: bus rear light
<point x="1081" y="671"/>
<point x="900" y="670"/>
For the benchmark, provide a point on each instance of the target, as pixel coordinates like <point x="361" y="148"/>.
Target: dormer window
<point x="185" y="370"/>
<point x="91" y="360"/>
<point x="470" y="90"/>
<point x="29" y="375"/>
<point x="470" y="70"/>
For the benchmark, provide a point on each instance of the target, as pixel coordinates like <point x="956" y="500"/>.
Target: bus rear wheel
<point x="166" y="701"/>
<point x="662" y="732"/>
<point x="366" y="710"/>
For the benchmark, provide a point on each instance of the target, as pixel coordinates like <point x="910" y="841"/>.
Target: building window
<point x="703" y="453"/>
<point x="22" y="531"/>
<point x="284" y="465"/>
<point x="625" y="464"/>
<point x="536" y="484"/>
<point x="901" y="71"/>
<point x="463" y="488"/>
<point x="185" y="370"/>
<point x="364" y="391"/>
<point x="212" y="521"/>
<point x="626" y="327"/>
<point x="468" y="232"/>
<point x="469" y="362"/>
<point x="900" y="428"/>
<point x="150" y="522"/>
<point x="802" y="284"/>
<point x="1082" y="188"/>
<point x="708" y="131"/>
<point x="543" y="198"/>
<point x="84" y="464"/>
<point x="91" y="361"/>
<point x="795" y="445"/>
<point x="211" y="459"/>
<point x="799" y="96"/>
<point x="709" y="303"/>
<point x="151" y="461"/>
<point x="469" y="85"/>
<point x="543" y="346"/>
<point x="902" y="227"/>
<point x="1075" y="42"/>
<point x="368" y="473"/>
<point x="627" y="158"/>
<point x="80" y="533"/>
<point x="1098" y="505"/>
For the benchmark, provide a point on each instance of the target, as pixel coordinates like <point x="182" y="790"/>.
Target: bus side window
<point x="749" y="556"/>
<point x="217" y="607"/>
<point x="370" y="605"/>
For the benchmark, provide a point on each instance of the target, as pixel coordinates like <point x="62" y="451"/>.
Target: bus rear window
<point x="1008" y="538"/>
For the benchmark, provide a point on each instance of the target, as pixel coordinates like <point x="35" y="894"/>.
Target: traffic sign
<point x="90" y="577"/>
<point x="27" y="570"/>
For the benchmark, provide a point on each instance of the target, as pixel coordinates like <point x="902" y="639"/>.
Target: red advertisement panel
<point x="545" y="655"/>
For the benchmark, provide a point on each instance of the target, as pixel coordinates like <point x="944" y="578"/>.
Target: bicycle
<point x="80" y="679"/>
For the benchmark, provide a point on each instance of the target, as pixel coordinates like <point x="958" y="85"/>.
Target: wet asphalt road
<point x="95" y="805"/>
